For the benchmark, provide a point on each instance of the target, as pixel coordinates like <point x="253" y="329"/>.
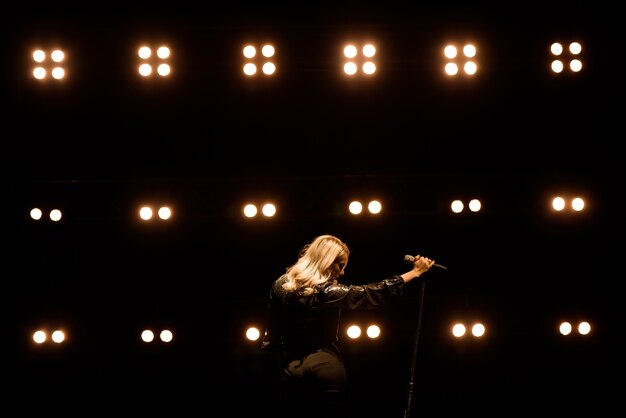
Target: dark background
<point x="102" y="141"/>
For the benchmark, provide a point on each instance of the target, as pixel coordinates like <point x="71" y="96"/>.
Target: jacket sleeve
<point x="366" y="296"/>
<point x="272" y="328"/>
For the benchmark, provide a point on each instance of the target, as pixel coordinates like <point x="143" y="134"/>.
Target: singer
<point x="302" y="325"/>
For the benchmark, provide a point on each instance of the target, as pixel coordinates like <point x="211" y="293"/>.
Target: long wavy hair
<point x="319" y="261"/>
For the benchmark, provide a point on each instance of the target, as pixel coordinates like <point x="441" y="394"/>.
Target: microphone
<point x="409" y="259"/>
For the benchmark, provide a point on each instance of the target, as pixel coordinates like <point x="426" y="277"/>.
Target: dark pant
<point x="314" y="384"/>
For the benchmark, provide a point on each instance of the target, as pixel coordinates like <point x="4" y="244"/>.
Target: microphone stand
<point x="409" y="398"/>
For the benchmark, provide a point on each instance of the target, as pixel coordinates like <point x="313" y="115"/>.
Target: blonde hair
<point x="318" y="262"/>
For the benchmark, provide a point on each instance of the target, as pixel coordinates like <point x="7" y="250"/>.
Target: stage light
<point x="374" y="207"/>
<point x="355" y="207"/>
<point x="584" y="328"/>
<point x="558" y="65"/>
<point x="250" y="210"/>
<point x="146" y="213"/>
<point x="150" y="61"/>
<point x="268" y="210"/>
<point x="455" y="61"/>
<point x="578" y="204"/>
<point x="355" y="61"/>
<point x="252" y="60"/>
<point x="253" y="334"/>
<point x="48" y="64"/>
<point x="373" y="331"/>
<point x="566" y="328"/>
<point x="353" y="332"/>
<point x="474" y="205"/>
<point x="478" y="330"/>
<point x="166" y="336"/>
<point x="164" y="213"/>
<point x="41" y="336"/>
<point x="559" y="204"/>
<point x="36" y="214"/>
<point x="147" y="336"/>
<point x="55" y="215"/>
<point x="58" y="336"/>
<point x="459" y="329"/>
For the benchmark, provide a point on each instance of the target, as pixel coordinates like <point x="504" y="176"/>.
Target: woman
<point x="302" y="330"/>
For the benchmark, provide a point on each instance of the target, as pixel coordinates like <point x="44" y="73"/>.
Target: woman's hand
<point x="422" y="264"/>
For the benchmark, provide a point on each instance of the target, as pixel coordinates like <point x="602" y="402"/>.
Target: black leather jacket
<point x="299" y="324"/>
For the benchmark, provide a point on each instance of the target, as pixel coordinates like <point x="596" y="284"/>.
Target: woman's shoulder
<point x="277" y="286"/>
<point x="280" y="281"/>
